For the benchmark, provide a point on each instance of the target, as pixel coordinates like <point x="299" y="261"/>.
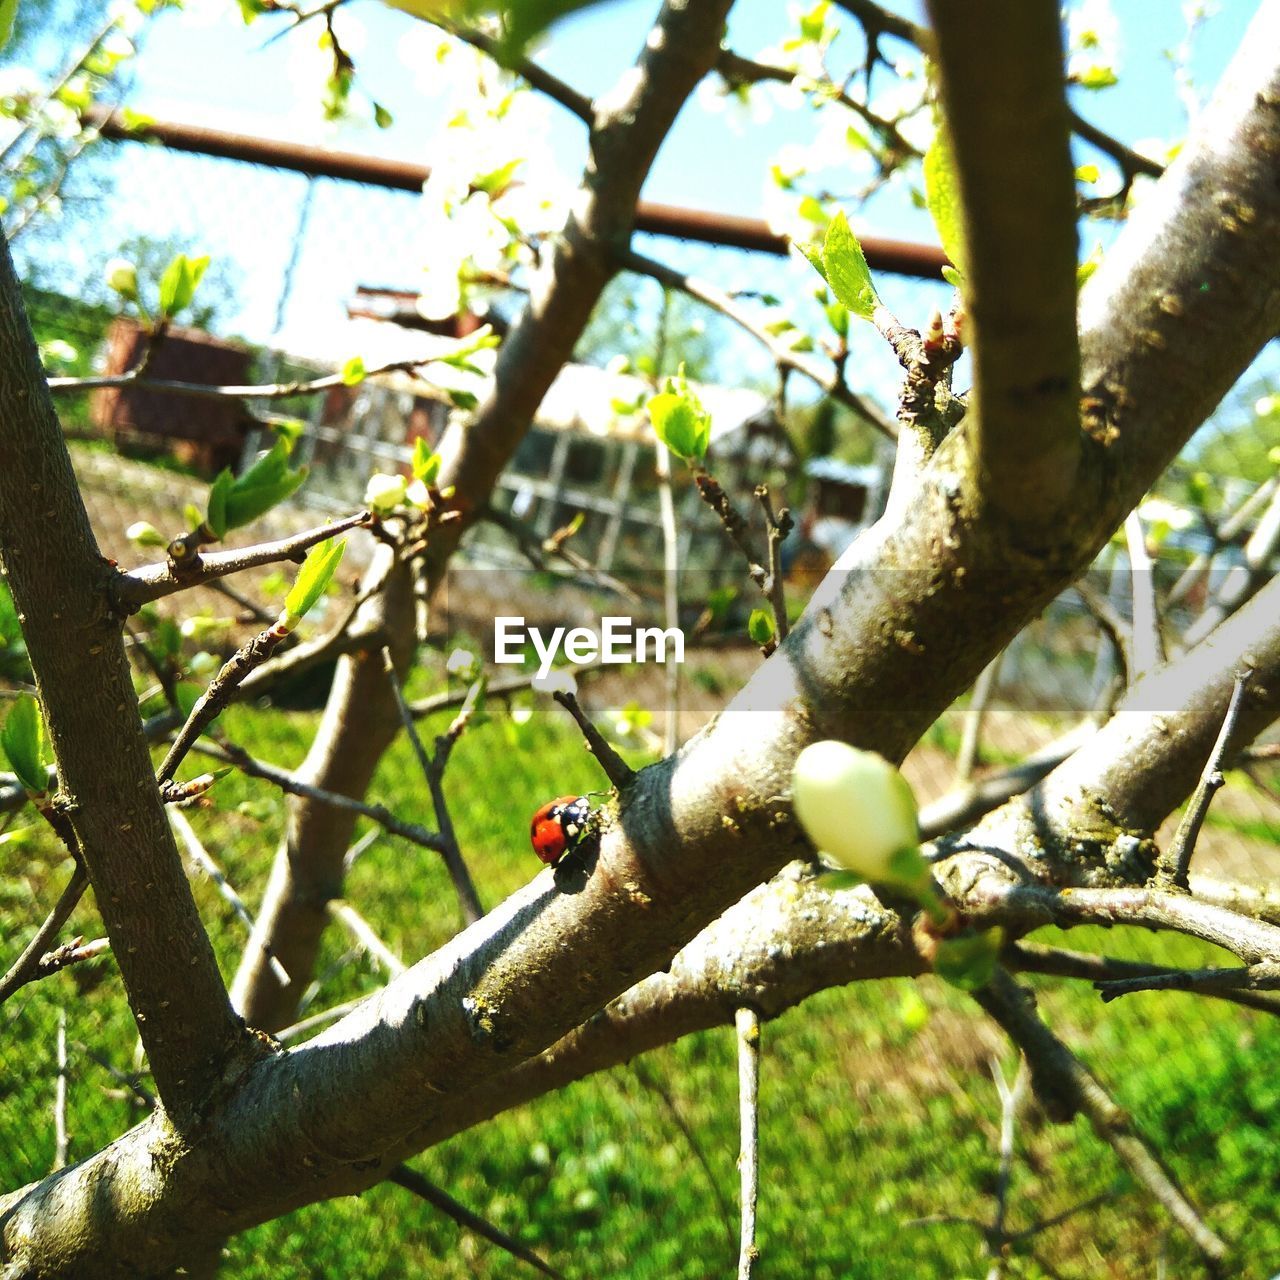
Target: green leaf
<point x="496" y="180"/>
<point x="315" y="575"/>
<point x="846" y="269"/>
<point x="942" y="194"/>
<point x="953" y="277"/>
<point x="523" y="21"/>
<point x="680" y="421"/>
<point x="266" y="483"/>
<point x="460" y="399"/>
<point x="353" y="372"/>
<point x="179" y="282"/>
<point x="186" y="694"/>
<point x="1097" y="77"/>
<point x="22" y="741"/>
<point x="8" y="12"/>
<point x="382" y="117"/>
<point x="760" y="627"/>
<point x="968" y="960"/>
<point x="216" y="518"/>
<point x="426" y="464"/>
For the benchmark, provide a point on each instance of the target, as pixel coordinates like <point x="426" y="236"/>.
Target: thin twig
<point x="433" y="766"/>
<point x="214" y="700"/>
<point x="1066" y="1087"/>
<point x="1147" y="649"/>
<point x="777" y="526"/>
<point x="293" y="785"/>
<point x="450" y="698"/>
<point x="1059" y="962"/>
<point x="975" y="715"/>
<point x="1176" y="863"/>
<point x="616" y="769"/>
<point x="765" y="572"/>
<point x="411" y="1180"/>
<point x="1108" y="618"/>
<point x="670" y="570"/>
<point x="60" y="1097"/>
<point x="206" y="391"/>
<point x="363" y="933"/>
<point x="534" y="548"/>
<point x="322" y="1019"/>
<point x="720" y="301"/>
<point x="652" y="1081"/>
<point x="26" y="968"/>
<point x="154" y="581"/>
<point x="201" y="858"/>
<point x="1010" y="1100"/>
<point x="747" y="1023"/>
<point x="142" y="1095"/>
<point x="1264" y="976"/>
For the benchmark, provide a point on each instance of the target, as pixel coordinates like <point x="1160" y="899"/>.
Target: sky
<point x="203" y="65"/>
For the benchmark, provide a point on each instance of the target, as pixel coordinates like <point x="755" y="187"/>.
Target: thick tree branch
<point x="1010" y="138"/>
<point x="60" y="585"/>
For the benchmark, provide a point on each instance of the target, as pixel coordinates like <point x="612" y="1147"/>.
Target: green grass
<point x="877" y="1102"/>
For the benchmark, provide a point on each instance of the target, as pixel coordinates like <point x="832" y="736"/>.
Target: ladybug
<point x="558" y="826"/>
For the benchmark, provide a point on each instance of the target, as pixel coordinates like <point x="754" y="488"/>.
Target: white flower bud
<point x="859" y="811"/>
<point x="461" y="662"/>
<point x="384" y="493"/>
<point x="144" y="534"/>
<point x="122" y="276"/>
<point x="559" y="681"/>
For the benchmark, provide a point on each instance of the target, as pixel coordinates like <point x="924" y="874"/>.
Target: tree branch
<point x="60" y="585"/>
<point x="747" y="1022"/>
<point x="1176" y="863"/>
<point x="1066" y="1087"/>
<point x="1010" y="139"/>
<point x="154" y="581"/>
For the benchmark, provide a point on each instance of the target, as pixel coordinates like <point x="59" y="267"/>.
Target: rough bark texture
<point x="1006" y="113"/>
<point x="61" y="586"/>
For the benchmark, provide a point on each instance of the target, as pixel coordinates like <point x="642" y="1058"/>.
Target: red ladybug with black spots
<point x="558" y="827"/>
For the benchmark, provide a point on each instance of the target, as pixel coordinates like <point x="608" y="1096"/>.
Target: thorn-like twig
<point x="411" y="1180"/>
<point x="747" y="1023"/>
<point x="1176" y="863"/>
<point x="616" y="769"/>
<point x="433" y="765"/>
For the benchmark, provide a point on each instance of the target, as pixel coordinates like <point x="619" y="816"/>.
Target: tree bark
<point x="61" y="586"/>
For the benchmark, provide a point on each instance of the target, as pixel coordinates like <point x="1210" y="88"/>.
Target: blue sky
<point x="223" y="73"/>
<point x="205" y="66"/>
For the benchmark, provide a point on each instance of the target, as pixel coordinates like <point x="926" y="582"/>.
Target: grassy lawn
<point x="878" y="1107"/>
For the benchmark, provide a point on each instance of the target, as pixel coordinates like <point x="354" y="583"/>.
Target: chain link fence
<point x="879" y="1108"/>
